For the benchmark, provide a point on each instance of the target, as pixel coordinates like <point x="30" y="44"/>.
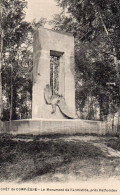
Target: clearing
<point x="58" y="158"/>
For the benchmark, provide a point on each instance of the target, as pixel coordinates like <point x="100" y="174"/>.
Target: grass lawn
<point x="57" y="158"/>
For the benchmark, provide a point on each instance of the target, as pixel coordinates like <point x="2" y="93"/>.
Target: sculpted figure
<point x="57" y="100"/>
<point x="51" y="99"/>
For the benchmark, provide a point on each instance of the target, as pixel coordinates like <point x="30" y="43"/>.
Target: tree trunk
<point x="11" y="97"/>
<point x="14" y="104"/>
<point x="101" y="111"/>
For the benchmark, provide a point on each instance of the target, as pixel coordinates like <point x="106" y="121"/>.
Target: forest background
<point x="95" y="24"/>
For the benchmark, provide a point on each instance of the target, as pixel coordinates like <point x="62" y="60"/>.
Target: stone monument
<point x="54" y="66"/>
<point x="53" y="81"/>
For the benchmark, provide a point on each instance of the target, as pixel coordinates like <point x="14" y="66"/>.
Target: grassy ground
<point x="58" y="158"/>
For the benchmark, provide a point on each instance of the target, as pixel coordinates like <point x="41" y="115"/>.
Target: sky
<point x="41" y="8"/>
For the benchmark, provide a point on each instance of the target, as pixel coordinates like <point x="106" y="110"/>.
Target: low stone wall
<point x="61" y="126"/>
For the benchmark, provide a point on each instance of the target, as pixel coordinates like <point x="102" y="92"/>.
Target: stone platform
<point x="55" y="126"/>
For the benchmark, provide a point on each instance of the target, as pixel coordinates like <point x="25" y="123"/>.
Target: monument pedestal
<point x="55" y="126"/>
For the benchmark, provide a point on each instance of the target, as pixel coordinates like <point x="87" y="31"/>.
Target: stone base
<point x="55" y="126"/>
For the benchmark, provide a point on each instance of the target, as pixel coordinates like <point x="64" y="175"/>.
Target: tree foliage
<point x="96" y="27"/>
<point x="17" y="59"/>
<point x="15" y="44"/>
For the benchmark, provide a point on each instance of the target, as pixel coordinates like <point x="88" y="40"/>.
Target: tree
<point x="15" y="34"/>
<point x="95" y="25"/>
<point x="17" y="58"/>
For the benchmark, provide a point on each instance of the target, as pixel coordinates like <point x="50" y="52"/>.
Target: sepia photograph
<point x="60" y="97"/>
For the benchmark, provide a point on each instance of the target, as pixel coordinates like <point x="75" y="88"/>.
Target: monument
<point x="53" y="66"/>
<point x="53" y="96"/>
